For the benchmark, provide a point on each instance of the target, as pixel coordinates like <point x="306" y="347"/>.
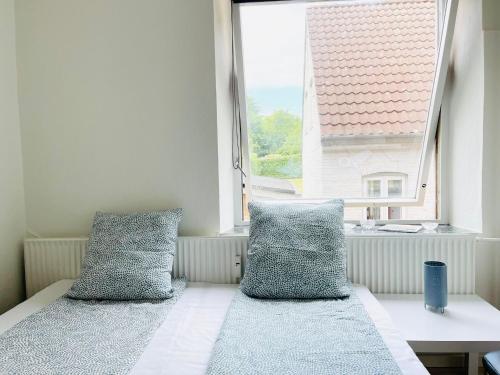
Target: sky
<point x="273" y="45"/>
<point x="273" y="42"/>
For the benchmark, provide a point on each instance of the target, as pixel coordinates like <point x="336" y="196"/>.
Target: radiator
<point x="385" y="264"/>
<point x="394" y="264"/>
<point x="210" y="259"/>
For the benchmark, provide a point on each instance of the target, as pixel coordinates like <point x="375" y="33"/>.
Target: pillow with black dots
<point x="129" y="257"/>
<point x="296" y="250"/>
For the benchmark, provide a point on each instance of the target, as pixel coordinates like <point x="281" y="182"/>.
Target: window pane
<point x="373" y="213"/>
<point x="374" y="188"/>
<point x="394" y="188"/>
<point x="394" y="213"/>
<point x="334" y="94"/>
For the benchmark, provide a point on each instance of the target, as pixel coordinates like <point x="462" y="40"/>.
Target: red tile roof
<point x="373" y="65"/>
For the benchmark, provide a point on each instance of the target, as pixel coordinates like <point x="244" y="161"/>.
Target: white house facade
<point x="369" y="71"/>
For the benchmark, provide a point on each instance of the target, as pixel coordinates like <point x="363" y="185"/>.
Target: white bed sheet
<point x="183" y="344"/>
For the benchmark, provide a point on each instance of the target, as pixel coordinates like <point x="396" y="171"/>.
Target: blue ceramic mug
<point x="435" y="285"/>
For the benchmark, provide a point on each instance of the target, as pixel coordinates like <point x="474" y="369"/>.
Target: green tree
<point x="275" y="142"/>
<point x="254" y="125"/>
<point x="253" y="115"/>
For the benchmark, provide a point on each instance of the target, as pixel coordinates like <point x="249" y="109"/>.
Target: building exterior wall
<point x="344" y="168"/>
<point x="312" y="151"/>
<point x="336" y="167"/>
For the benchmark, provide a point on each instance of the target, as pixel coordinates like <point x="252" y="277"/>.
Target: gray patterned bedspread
<point x="83" y="337"/>
<point x="325" y="336"/>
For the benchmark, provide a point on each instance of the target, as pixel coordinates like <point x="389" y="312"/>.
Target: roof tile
<point x="374" y="65"/>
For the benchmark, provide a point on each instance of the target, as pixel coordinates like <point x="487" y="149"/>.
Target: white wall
<point x="491" y="132"/>
<point x="462" y="114"/>
<point x="12" y="211"/>
<point x="471" y="113"/>
<point x="223" y="69"/>
<point x="118" y="111"/>
<point x="489" y="252"/>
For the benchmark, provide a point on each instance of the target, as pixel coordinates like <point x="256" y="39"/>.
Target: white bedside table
<point x="469" y="325"/>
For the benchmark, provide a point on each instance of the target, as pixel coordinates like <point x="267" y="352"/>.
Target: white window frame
<point x="430" y="136"/>
<point x="384" y="178"/>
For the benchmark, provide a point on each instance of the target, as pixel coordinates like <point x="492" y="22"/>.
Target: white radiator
<point x="210" y="259"/>
<point x="394" y="264"/>
<point x="385" y="264"/>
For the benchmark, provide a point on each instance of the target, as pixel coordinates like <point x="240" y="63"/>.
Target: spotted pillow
<point x="296" y="251"/>
<point x="129" y="257"/>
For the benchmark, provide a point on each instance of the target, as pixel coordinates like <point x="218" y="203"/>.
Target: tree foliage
<point x="275" y="143"/>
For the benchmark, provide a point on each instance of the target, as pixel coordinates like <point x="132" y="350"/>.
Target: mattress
<point x="184" y="342"/>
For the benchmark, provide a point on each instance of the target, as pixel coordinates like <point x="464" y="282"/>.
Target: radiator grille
<point x="394" y="264"/>
<point x="49" y="260"/>
<point x="391" y="264"/>
<point x="210" y="259"/>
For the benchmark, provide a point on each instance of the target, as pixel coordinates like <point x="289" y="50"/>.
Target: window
<point x="335" y="94"/>
<point x="385" y="185"/>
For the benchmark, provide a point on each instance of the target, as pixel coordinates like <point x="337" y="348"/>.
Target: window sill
<point x="441" y="231"/>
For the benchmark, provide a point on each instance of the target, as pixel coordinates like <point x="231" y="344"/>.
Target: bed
<point x="184" y="342"/>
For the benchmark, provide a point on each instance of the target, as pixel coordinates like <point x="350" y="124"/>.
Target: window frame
<point x="433" y="136"/>
<point x="384" y="178"/>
